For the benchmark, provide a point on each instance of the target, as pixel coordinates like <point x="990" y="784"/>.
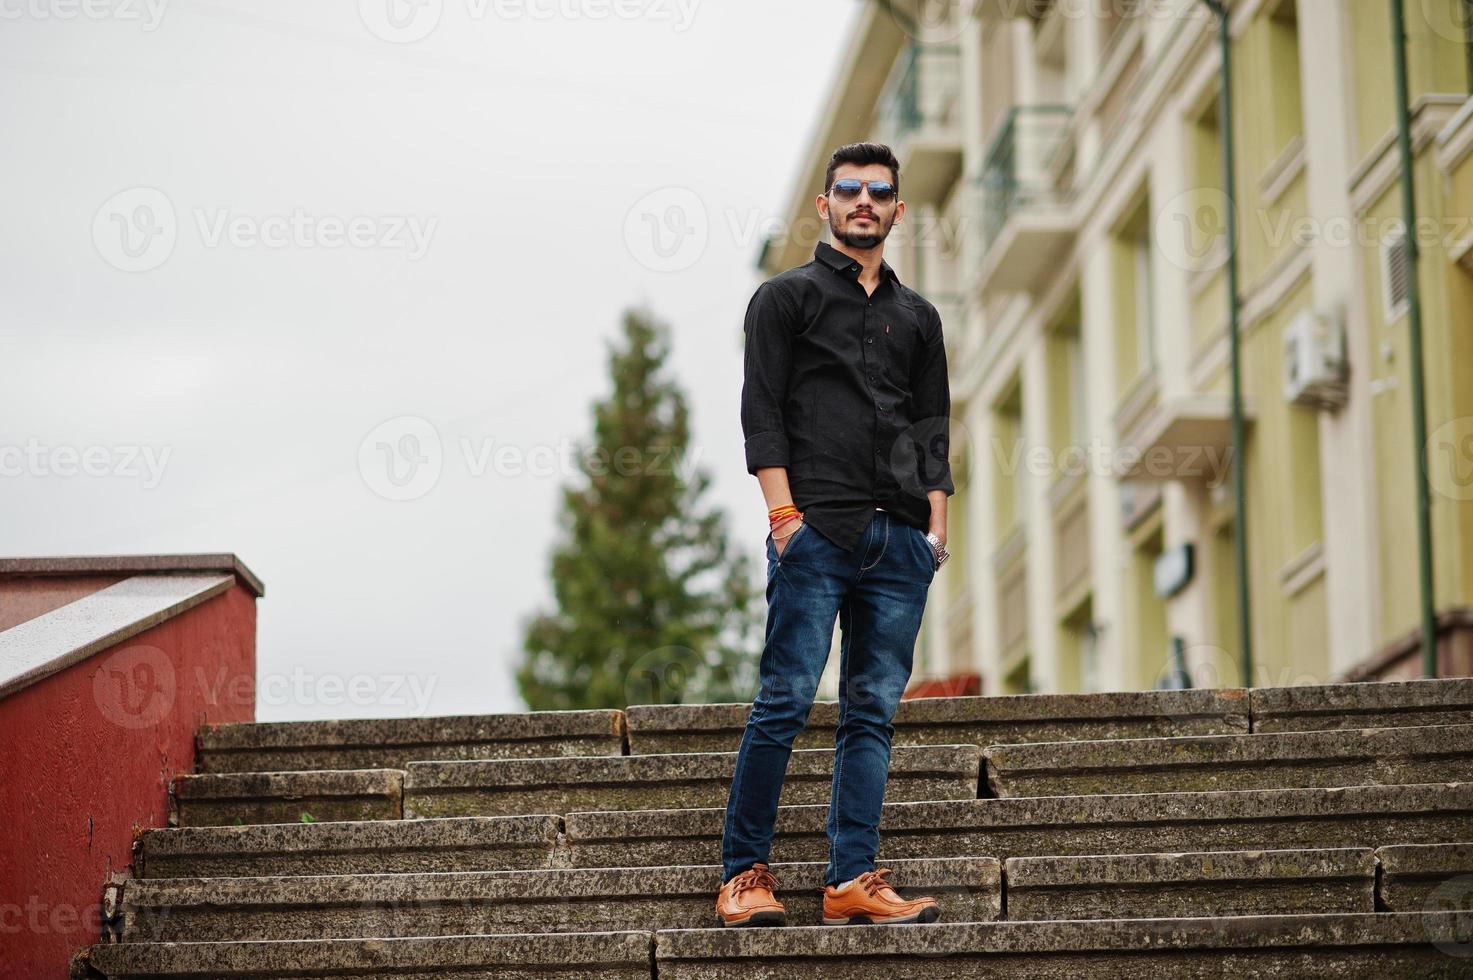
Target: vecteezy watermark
<point x="407" y="21"/>
<point x="1450" y="933"/>
<point x="302" y="230"/>
<point x="1448" y="19"/>
<point x="1191" y="229"/>
<point x="300" y="688"/>
<point x="1205" y="462"/>
<point x="135" y="686"/>
<point x="37" y="916"/>
<point x="403" y="458"/>
<point x="148" y="13"/>
<point x="1450" y="458"/>
<point x="40" y="460"/>
<point x="668" y="229"/>
<point x="943" y="21"/>
<point x="136" y="230"/>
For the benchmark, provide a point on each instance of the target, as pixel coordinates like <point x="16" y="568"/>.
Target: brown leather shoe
<point x="747" y="899"/>
<point x="871" y="899"/>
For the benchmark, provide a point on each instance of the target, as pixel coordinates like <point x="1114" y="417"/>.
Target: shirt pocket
<point x="901" y="331"/>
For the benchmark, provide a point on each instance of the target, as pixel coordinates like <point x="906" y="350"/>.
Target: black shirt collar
<point x="839" y="262"/>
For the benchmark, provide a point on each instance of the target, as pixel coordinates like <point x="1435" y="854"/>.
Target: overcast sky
<point x="258" y="255"/>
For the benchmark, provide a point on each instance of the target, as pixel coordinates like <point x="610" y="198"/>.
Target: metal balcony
<point x="1027" y="183"/>
<point x="918" y="115"/>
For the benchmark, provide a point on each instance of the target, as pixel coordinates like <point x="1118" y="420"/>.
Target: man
<point x="845" y="410"/>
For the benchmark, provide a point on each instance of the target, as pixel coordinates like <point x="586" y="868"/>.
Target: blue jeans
<point x="878" y="592"/>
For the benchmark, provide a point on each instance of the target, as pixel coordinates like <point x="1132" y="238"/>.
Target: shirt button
<point x="869" y="340"/>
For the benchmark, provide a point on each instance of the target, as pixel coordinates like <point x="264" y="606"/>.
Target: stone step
<point x="1376" y="756"/>
<point x="561" y="900"/>
<point x="224" y="799"/>
<point x="391" y="743"/>
<point x="1426" y="877"/>
<point x="1359" y="946"/>
<point x="568" y="956"/>
<point x="690" y="779"/>
<point x="510" y="787"/>
<point x="659" y="728"/>
<point x="1364" y="946"/>
<point x="1357" y="816"/>
<point x="1199" y="883"/>
<point x="1368" y="704"/>
<point x="350" y="847"/>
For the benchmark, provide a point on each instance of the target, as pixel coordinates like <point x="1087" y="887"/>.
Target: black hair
<point x="862" y="153"/>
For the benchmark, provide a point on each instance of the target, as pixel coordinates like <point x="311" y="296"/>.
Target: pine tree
<point x="652" y="608"/>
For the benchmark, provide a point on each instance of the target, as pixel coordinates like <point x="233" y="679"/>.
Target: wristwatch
<point x="940" y="549"/>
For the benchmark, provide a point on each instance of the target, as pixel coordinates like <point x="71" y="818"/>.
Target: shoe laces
<point x="873" y="881"/>
<point x="753" y="878"/>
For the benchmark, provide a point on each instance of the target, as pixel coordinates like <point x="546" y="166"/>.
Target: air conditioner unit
<point x="1315" y="368"/>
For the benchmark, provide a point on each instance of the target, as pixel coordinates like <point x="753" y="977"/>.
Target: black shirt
<point x="847" y="390"/>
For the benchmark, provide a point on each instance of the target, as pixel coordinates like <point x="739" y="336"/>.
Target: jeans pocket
<point x="791" y="539"/>
<point x="929" y="552"/>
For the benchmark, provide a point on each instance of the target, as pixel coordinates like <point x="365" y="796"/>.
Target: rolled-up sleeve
<point x="931" y="396"/>
<point x="767" y="364"/>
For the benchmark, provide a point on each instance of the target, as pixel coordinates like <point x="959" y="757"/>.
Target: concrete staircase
<point x="1275" y="832"/>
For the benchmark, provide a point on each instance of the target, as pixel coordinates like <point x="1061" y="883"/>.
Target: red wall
<point x="86" y="755"/>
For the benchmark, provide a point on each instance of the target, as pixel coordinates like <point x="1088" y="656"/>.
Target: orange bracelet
<point x="781" y="514"/>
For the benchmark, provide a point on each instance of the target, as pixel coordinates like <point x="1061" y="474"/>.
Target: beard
<point x="859" y="239"/>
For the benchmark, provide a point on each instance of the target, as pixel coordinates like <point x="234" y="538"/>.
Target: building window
<point x="1145" y="320"/>
<point x="1287" y="108"/>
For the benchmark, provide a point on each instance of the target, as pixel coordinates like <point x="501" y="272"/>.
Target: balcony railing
<point x="921" y="93"/>
<point x="1028" y="164"/>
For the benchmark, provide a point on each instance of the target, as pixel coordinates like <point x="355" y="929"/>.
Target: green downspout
<point x="1414" y="337"/>
<point x="1239" y="458"/>
<point x="1468" y="39"/>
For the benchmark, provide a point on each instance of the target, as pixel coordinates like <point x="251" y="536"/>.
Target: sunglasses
<point x="846" y="189"/>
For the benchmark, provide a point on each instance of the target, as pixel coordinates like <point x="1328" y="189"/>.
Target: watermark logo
<point x="664" y="675"/>
<point x="1191" y="229"/>
<point x="135" y="229"/>
<point x="401" y="459"/>
<point x="1450" y="459"/>
<point x="667" y="230"/>
<point x="407" y="21"/>
<point x="400" y="21"/>
<point x="932" y="21"/>
<point x="302" y="688"/>
<point x="38" y="460"/>
<point x="135" y="686"/>
<point x="1448" y="19"/>
<point x="299" y="229"/>
<point x="148" y="13"/>
<point x="1452" y="934"/>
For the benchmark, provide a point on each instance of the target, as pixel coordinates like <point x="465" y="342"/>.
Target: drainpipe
<point x="1468" y="39"/>
<point x="1414" y="338"/>
<point x="1229" y="163"/>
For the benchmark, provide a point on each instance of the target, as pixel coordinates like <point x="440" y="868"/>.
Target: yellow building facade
<point x="1061" y="168"/>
